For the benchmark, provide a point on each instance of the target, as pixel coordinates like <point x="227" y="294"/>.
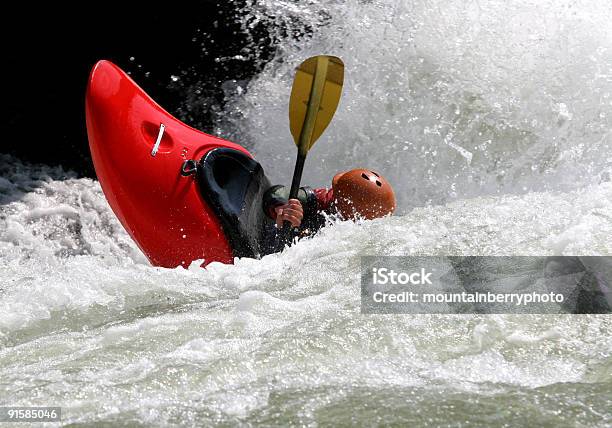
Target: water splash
<point x="448" y="99"/>
<point x="88" y="325"/>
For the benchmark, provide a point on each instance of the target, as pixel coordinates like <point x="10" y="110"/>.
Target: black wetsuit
<point x="314" y="213"/>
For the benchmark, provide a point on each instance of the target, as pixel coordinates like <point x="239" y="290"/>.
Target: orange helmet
<point x="362" y="193"/>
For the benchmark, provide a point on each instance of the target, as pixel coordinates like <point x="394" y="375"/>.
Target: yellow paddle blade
<point x="314" y="97"/>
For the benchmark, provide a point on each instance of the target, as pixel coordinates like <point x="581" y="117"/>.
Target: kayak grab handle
<point x="162" y="127"/>
<point x="188" y="168"/>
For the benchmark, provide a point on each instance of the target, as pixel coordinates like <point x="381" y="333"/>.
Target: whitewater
<point x="494" y="122"/>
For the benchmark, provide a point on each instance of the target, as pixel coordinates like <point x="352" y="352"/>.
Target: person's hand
<point x="291" y="212"/>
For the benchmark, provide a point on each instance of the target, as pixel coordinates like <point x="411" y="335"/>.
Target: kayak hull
<point x="160" y="208"/>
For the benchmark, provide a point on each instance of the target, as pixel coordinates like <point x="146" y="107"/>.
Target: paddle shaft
<point x="285" y="234"/>
<point x="297" y="175"/>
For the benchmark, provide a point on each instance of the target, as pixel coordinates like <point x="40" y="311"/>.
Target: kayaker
<point x="358" y="193"/>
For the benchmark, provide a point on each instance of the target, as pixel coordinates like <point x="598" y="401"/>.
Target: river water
<point x="493" y="121"/>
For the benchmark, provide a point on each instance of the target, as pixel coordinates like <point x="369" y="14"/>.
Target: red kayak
<point x="182" y="195"/>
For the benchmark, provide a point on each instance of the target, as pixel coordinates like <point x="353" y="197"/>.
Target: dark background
<point x="50" y="49"/>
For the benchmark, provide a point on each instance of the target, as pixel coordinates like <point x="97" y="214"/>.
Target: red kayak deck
<point x="162" y="210"/>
